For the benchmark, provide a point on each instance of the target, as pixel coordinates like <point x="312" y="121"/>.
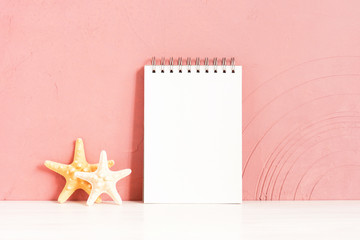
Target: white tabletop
<point x="135" y="220"/>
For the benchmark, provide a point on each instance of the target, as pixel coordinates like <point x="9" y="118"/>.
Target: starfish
<point x="67" y="171"/>
<point x="103" y="180"/>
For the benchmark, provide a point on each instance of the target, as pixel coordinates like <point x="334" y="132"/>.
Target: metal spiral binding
<point x="215" y="65"/>
<point x="153" y="63"/>
<point x="206" y="65"/>
<point x="224" y="65"/>
<point x="232" y="63"/>
<point x="188" y="63"/>
<point x="197" y="64"/>
<point x="180" y="64"/>
<point x="171" y="64"/>
<point x="162" y="64"/>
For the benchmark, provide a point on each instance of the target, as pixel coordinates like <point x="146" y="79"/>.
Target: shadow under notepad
<point x="137" y="154"/>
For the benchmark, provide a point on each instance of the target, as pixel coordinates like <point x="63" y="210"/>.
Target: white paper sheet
<point x="192" y="142"/>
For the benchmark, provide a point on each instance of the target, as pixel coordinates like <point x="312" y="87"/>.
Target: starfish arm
<point x="88" y="191"/>
<point x="92" y="197"/>
<point x="103" y="163"/>
<point x="79" y="152"/>
<point x="65" y="194"/>
<point x="120" y="174"/>
<point x="84" y="176"/>
<point x="113" y="193"/>
<point x="57" y="167"/>
<point x="93" y="167"/>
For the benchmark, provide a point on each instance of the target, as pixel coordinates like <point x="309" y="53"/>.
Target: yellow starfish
<point x="79" y="164"/>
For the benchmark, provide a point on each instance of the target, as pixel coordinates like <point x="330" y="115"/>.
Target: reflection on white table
<point x="135" y="220"/>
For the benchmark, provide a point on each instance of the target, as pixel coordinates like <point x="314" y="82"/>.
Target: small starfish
<point x="103" y="180"/>
<point x="67" y="171"/>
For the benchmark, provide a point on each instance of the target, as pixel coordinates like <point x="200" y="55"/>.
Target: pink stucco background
<point x="73" y="69"/>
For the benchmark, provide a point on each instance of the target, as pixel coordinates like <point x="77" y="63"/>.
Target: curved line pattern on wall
<point x="307" y="170"/>
<point x="278" y="149"/>
<point x="246" y="98"/>
<point x="288" y="90"/>
<point x="293" y="125"/>
<point x="322" y="176"/>
<point x="288" y="151"/>
<point x="282" y="117"/>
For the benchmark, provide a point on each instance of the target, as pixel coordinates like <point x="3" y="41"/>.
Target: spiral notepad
<point x="192" y="139"/>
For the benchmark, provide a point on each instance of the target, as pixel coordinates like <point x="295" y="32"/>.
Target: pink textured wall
<point x="73" y="69"/>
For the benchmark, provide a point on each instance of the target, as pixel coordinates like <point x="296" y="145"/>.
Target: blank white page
<point x="192" y="139"/>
